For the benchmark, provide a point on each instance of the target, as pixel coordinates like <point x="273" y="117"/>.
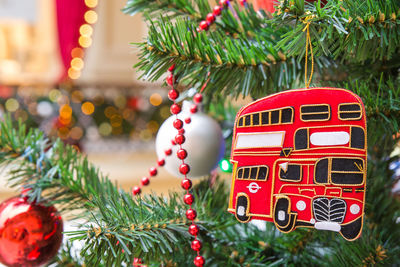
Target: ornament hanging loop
<point x="307" y="80"/>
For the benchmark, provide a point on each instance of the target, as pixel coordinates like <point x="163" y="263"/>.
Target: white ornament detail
<point x="253" y="187"/>
<point x="240" y="211"/>
<point x="284" y="166"/>
<point x="281" y="215"/>
<point x="301" y="205"/>
<point x="273" y="139"/>
<point x="330" y="226"/>
<point x="329" y="138"/>
<point x="312" y="221"/>
<point x="355" y="209"/>
<point x="204" y="143"/>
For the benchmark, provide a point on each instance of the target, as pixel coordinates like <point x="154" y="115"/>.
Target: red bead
<point x="223" y="3"/>
<point x="196" y="245"/>
<point x="161" y="162"/>
<point x="188" y="120"/>
<point x="188" y="199"/>
<point x="193" y="109"/>
<point x="145" y="181"/>
<point x="181" y="153"/>
<point x="203" y="25"/>
<point x="180" y="139"/>
<point x="193" y="229"/>
<point x="178" y="124"/>
<point x="173" y="94"/>
<point x="217" y="10"/>
<point x="137" y="262"/>
<point x="175" y="109"/>
<point x="181" y="131"/>
<point x="198" y="98"/>
<point x="199" y="261"/>
<point x="136" y="190"/>
<point x="168" y="152"/>
<point x="184" y="168"/>
<point x="186" y="184"/>
<point x="171" y="69"/>
<point x="242" y="2"/>
<point x="153" y="171"/>
<point x="31" y="233"/>
<point x="210" y="18"/>
<point x="170" y="79"/>
<point x="173" y="142"/>
<point x="191" y="214"/>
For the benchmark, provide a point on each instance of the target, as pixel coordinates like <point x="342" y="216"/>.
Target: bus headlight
<point x="301" y="205"/>
<point x="355" y="209"/>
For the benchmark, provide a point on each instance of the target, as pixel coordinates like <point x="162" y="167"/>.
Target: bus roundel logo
<point x="253" y="187"/>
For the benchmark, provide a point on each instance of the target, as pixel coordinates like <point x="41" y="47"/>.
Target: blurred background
<point x="68" y="70"/>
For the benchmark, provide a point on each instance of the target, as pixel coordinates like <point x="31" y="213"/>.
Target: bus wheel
<point x="352" y="230"/>
<point x="284" y="220"/>
<point x="242" y="209"/>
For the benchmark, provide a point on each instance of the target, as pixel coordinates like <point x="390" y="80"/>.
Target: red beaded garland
<point x="191" y="214"/>
<point x="193" y="229"/>
<point x="153" y="171"/>
<point x="145" y="180"/>
<point x="242" y="2"/>
<point x="181" y="131"/>
<point x="173" y="94"/>
<point x="136" y="190"/>
<point x="161" y="162"/>
<point x="186" y="184"/>
<point x="223" y="3"/>
<point x="198" y="98"/>
<point x="178" y="124"/>
<point x="175" y="109"/>
<point x="181" y="153"/>
<point x="137" y="262"/>
<point x="196" y="245"/>
<point x="210" y="18"/>
<point x="168" y="152"/>
<point x="170" y="79"/>
<point x="193" y="109"/>
<point x="173" y="142"/>
<point x="184" y="168"/>
<point x="199" y="261"/>
<point x="217" y="10"/>
<point x="188" y="120"/>
<point x="171" y="69"/>
<point x="180" y="139"/>
<point x="203" y="25"/>
<point x="188" y="199"/>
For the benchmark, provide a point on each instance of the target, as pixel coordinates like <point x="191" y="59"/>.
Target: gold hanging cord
<point x="307" y="80"/>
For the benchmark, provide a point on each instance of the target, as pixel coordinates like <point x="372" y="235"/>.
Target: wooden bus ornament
<point x="300" y="160"/>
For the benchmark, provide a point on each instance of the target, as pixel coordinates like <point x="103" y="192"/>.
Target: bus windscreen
<point x="255" y="140"/>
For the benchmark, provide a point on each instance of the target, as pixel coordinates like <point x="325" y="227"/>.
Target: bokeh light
<point x="77" y="63"/>
<point x="85" y="41"/>
<point x="11" y="105"/>
<point x="87" y="108"/>
<point x="90" y="16"/>
<point x="91" y="3"/>
<point x="86" y="30"/>
<point x="155" y="99"/>
<point x="77" y="52"/>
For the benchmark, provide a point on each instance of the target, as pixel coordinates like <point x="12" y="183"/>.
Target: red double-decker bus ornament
<point x="300" y="160"/>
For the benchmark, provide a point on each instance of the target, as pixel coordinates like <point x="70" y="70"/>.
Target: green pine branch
<point x="356" y="30"/>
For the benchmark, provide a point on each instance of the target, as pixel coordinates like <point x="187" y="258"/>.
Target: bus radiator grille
<point x="329" y="210"/>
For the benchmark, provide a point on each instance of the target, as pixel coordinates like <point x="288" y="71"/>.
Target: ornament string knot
<point x="307" y="80"/>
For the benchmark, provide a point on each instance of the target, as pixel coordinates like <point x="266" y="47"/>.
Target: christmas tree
<point x="225" y="51"/>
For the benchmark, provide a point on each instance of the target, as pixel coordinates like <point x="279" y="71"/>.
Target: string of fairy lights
<point x="85" y="40"/>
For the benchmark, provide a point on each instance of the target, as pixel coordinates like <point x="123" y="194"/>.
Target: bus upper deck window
<point x="317" y="112"/>
<point x="349" y="111"/>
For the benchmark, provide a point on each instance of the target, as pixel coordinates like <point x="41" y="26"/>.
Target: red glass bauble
<point x="193" y="229"/>
<point x="193" y="109"/>
<point x="170" y="79"/>
<point x="196" y="245"/>
<point x="153" y="171"/>
<point x="181" y="153"/>
<point x="217" y="10"/>
<point x="168" y="152"/>
<point x="145" y="180"/>
<point x="188" y="199"/>
<point x="136" y="190"/>
<point x="199" y="261"/>
<point x="203" y="25"/>
<point x="210" y="18"/>
<point x="198" y="98"/>
<point x="173" y="94"/>
<point x="223" y="3"/>
<point x="178" y="124"/>
<point x="175" y="109"/>
<point x="188" y="120"/>
<point x="191" y="214"/>
<point x="161" y="162"/>
<point x="30" y="233"/>
<point x="180" y="139"/>
<point x="186" y="184"/>
<point x="184" y="168"/>
<point x="171" y="69"/>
